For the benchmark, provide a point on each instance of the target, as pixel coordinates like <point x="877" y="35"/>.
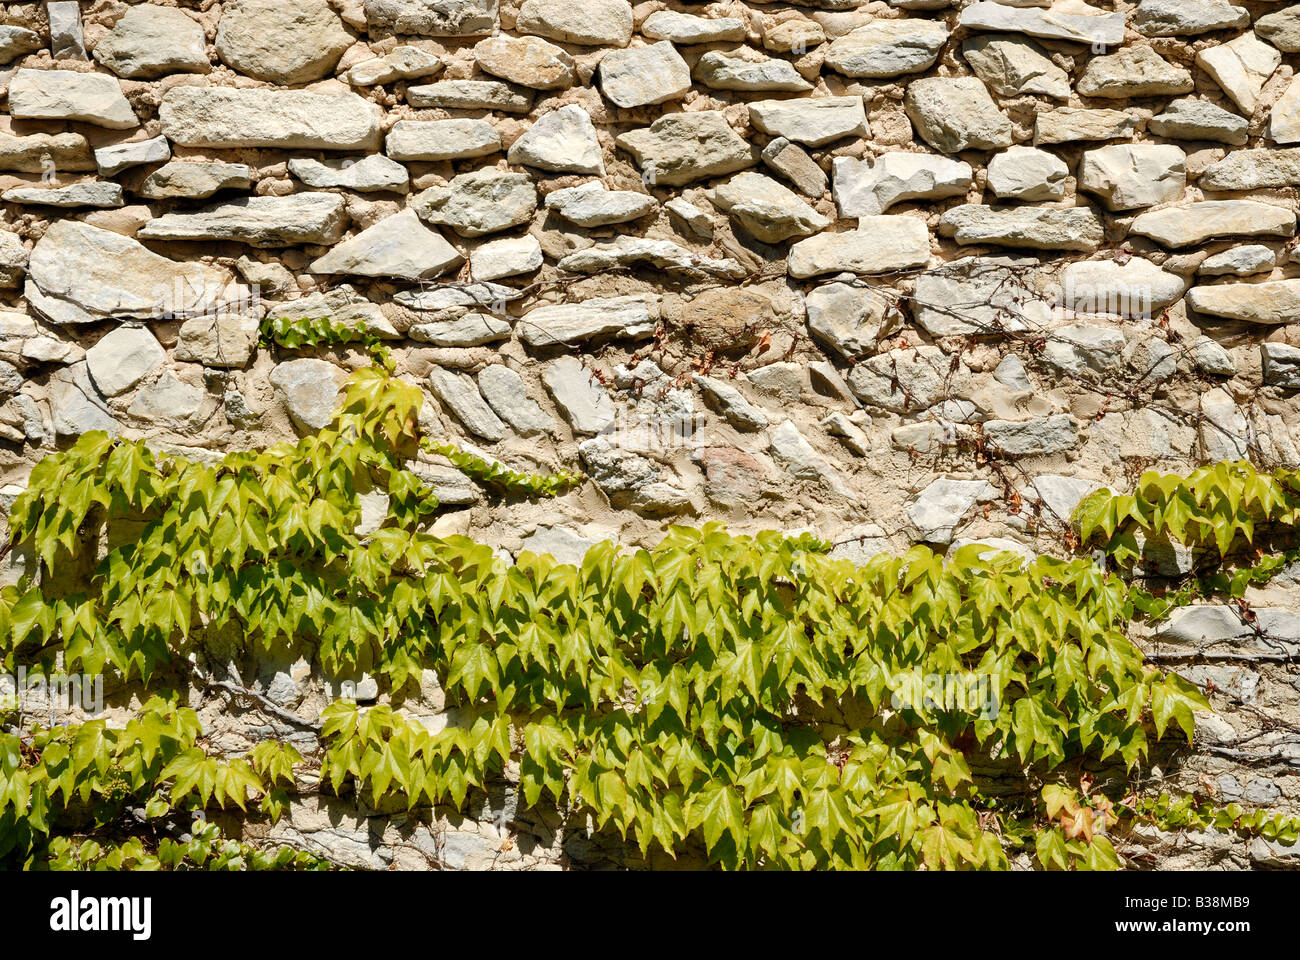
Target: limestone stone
<point x="563" y="140"/>
<point x="226" y="117"/>
<point x="433" y="18"/>
<point x="879" y="245"/>
<point x="1240" y="67"/>
<point x="194" y="179"/>
<point x="1133" y="72"/>
<point x="867" y="188"/>
<point x="686" y="28"/>
<point x="401" y="63"/>
<point x="902" y="380"/>
<point x="342" y="304"/>
<point x="94" y="98"/>
<point x="372" y="173"/>
<point x="1136" y="288"/>
<point x="1100" y="29"/>
<point x="309" y="388"/>
<point x="13" y="261"/>
<point x="1068" y="124"/>
<point x="1059" y="495"/>
<point x="744" y="68"/>
<point x="1271" y="302"/>
<point x="507" y="257"/>
<point x="122" y="156"/>
<point x="1014" y="67"/>
<point x="581" y="399"/>
<point x="1185" y="18"/>
<point x="1211" y="358"/>
<point x="627" y="251"/>
<point x="940" y="507"/>
<point x="1197" y="222"/>
<point x="1240" y="261"/>
<point x="849" y="320"/>
<point x="441" y="140"/>
<point x="150" y="41"/>
<point x="679" y="148"/>
<point x="223" y="341"/>
<point x="451" y="299"/>
<point x="527" y="61"/>
<point x="1032" y="438"/>
<point x="767" y="210"/>
<point x="797" y="457"/>
<point x="168" y="400"/>
<point x="595" y="23"/>
<point x="1281" y="365"/>
<point x="471" y="95"/>
<point x="688" y="216"/>
<point x="640" y="76"/>
<point x="1126" y="176"/>
<point x="36" y="152"/>
<point x="979" y="295"/>
<point x="810" y="120"/>
<point x="471" y="330"/>
<point x="1282" y="29"/>
<point x="731" y="403"/>
<point x="1199" y="120"/>
<point x="16" y="41"/>
<point x="76" y="406"/>
<point x="793" y="162"/>
<point x="91" y="274"/>
<point x="1253" y="170"/>
<point x="1027" y="173"/>
<point x="397" y="246"/>
<point x="1043" y="228"/>
<point x="887" y="48"/>
<point x="67" y="41"/>
<point x="1284" y="118"/>
<point x="257" y="221"/>
<point x="506" y="394"/>
<point x="1223" y="430"/>
<point x="1078" y="348"/>
<point x="591" y="205"/>
<point x="956" y="113"/>
<point x="122" y="358"/>
<point x="598" y="318"/>
<point x="95" y="194"/>
<point x="459" y="394"/>
<point x="479" y="202"/>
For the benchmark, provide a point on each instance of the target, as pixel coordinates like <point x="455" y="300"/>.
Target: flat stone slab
<point x="287" y="119"/>
<point x="70" y="95"/>
<point x="399" y="246"/>
<point x="683" y="147"/>
<point x="879" y="245"/>
<point x="1272" y="302"/>
<point x="1036" y="228"/>
<point x="257" y="221"/>
<point x="1198" y="222"/>
<point x="598" y="318"/>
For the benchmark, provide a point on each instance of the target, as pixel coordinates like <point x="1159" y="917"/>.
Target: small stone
<point x="122" y="358"/>
<point x="633" y="317"/>
<point x="887" y="48"/>
<point x="796" y="455"/>
<point x="765" y="209"/>
<point x="1223" y="431"/>
<point x="641" y="76"/>
<point x="563" y="140"/>
<point x="731" y="403"/>
<point x="76" y="406"/>
<point x="1240" y="67"/>
<point x="685" y="28"/>
<point x="1284" y="118"/>
<point x="979" y="295"/>
<point x="744" y="68"/>
<point x="591" y="205"/>
<point x="66" y="40"/>
<point x="194" y="179"/>
<point x="168" y="400"/>
<point x="479" y="202"/>
<point x="629" y="251"/>
<point x="582" y="400"/>
<point x="1032" y="438"/>
<point x="96" y="194"/>
<point x="460" y="395"/>
<point x="507" y="257"/>
<point x="1027" y="173"/>
<point x="1199" y="120"/>
<point x="793" y="163"/>
<point x="691" y="217"/>
<point x="400" y="63"/>
<point x="309" y="388"/>
<point x="43" y="152"/>
<point x="151" y="41"/>
<point x="257" y="221"/>
<point x="341" y="304"/>
<point x="850" y="320"/>
<point x="1133" y="72"/>
<point x="1068" y="124"/>
<point x="18" y="41"/>
<point x="1010" y="372"/>
<point x="903" y="380"/>
<point x="432" y="140"/>
<point x="471" y="330"/>
<point x="1253" y="170"/>
<point x="471" y="95"/>
<point x="794" y="36"/>
<point x="121" y="156"/>
<point x="1211" y="358"/>
<point x="1099" y="29"/>
<point x="1238" y="261"/>
<point x="1282" y="29"/>
<point x="955" y="114"/>
<point x="226" y="117"/>
<point x="224" y="341"/>
<point x="1013" y="67"/>
<point x="811" y="120"/>
<point x="879" y="245"/>
<point x="1281" y="364"/>
<point x="506" y="394"/>
<point x="939" y="508"/>
<point x="1041" y="228"/>
<point x="563" y="543"/>
<point x="595" y="23"/>
<point x="13" y="262"/>
<point x="1197" y="222"/>
<point x="1078" y="348"/>
<point x="396" y="246"/>
<point x="1272" y="302"/>
<point x="1136" y="288"/>
<point x="679" y="148"/>
<point x="1126" y="176"/>
<point x="527" y="61"/>
<point x="433" y="18"/>
<point x="1185" y="18"/>
<point x="867" y="188"/>
<point x="68" y="95"/>
<point x="369" y="174"/>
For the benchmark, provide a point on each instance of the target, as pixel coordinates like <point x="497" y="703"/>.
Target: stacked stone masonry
<point x="893" y="272"/>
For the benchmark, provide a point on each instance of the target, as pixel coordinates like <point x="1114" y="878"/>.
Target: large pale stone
<point x="506" y="394"/>
<point x="879" y="245"/>
<point x="582" y="400"/>
<point x="257" y="221"/>
<point x="1027" y="173"/>
<point x="563" y="140"/>
<point x="744" y="68"/>
<point x="68" y="95"/>
<point x="594" y="23"/>
<point x="397" y="246"/>
<point x="769" y="211"/>
<point x="849" y="319"/>
<point x="1199" y="120"/>
<point x="151" y="41"/>
<point x="887" y="48"/>
<point x="591" y="205"/>
<point x="640" y="76"/>
<point x="67" y="40"/>
<point x="471" y="330"/>
<point x="681" y="147"/>
<point x="507" y="257"/>
<point x="627" y="251"/>
<point x="281" y="41"/>
<point x="598" y="318"/>
<point x="1185" y="18"/>
<point x="1102" y="29"/>
<point x="1068" y="124"/>
<point x="1284" y="118"/>
<point x="1136" y="288"/>
<point x="866" y="188"/>
<point x="957" y="113"/>
<point x="13" y="263"/>
<point x="95" y="274"/>
<point x="1042" y="228"/>
<point x="481" y="201"/>
<point x="76" y="406"/>
<point x="1133" y="72"/>
<point x="1272" y="302"/>
<point x="460" y="395"/>
<point x="122" y="358"/>
<point x="1130" y="175"/>
<point x="224" y="341"/>
<point x="528" y="61"/>
<point x="194" y="179"/>
<point x="96" y="194"/>
<point x="1198" y="222"/>
<point x="1282" y="29"/>
<point x="1253" y="170"/>
<point x="225" y="117"/>
<point x="686" y="28"/>
<point x="1032" y="438"/>
<point x="39" y="152"/>
<point x="792" y="162"/>
<point x="1243" y="261"/>
<point x="431" y="140"/>
<point x="434" y="18"/>
<point x="471" y="95"/>
<point x="980" y="295"/>
<point x="17" y="41"/>
<point x="375" y="172"/>
<point x="812" y="120"/>
<point x="1014" y="67"/>
<point x="309" y="388"/>
<point x="940" y="507"/>
<point x="1240" y="67"/>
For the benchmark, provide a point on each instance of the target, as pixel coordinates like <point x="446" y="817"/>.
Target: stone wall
<point x="893" y="272"/>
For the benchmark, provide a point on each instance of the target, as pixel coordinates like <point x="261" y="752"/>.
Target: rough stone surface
<point x="151" y="41"/>
<point x="878" y="245"/>
<point x="866" y="189"/>
<point x="94" y="98"/>
<point x="397" y="246"/>
<point x="957" y="114"/>
<point x="480" y="202"/>
<point x="1197" y="222"/>
<point x="563" y="140"/>
<point x="1127" y="176"/>
<point x="257" y="221"/>
<point x="224" y="117"/>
